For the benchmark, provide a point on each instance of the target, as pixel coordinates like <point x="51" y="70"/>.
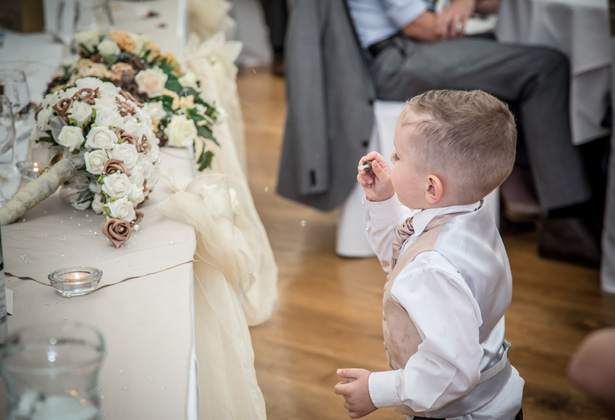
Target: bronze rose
<point x="143" y="146"/>
<point x="122" y="68"/>
<point x="125" y="107"/>
<point x="115" y="165"/>
<point x="129" y="96"/>
<point x="139" y="217"/>
<point x="62" y="107"/>
<point x="135" y="62"/>
<point x="117" y="230"/>
<point x="126" y="137"/>
<point x="86" y="95"/>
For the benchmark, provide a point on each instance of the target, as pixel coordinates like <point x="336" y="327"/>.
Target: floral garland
<point x="181" y="114"/>
<point x="109" y="138"/>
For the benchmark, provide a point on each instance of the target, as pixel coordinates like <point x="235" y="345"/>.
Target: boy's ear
<point x="434" y="189"/>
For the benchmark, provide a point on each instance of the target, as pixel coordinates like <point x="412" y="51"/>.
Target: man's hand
<point x="451" y="23"/>
<point x="355" y="391"/>
<point x="376" y="182"/>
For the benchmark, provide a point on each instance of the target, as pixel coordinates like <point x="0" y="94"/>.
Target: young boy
<point x="449" y="280"/>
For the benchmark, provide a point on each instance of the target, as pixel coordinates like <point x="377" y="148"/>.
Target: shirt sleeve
<point x="381" y="221"/>
<point x="403" y="12"/>
<point x="447" y="363"/>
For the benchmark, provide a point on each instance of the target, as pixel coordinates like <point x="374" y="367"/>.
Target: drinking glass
<point x="13" y="84"/>
<point x="90" y="14"/>
<point x="7" y="141"/>
<point x="51" y="372"/>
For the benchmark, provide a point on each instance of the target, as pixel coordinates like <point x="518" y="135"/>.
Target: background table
<point x="580" y="29"/>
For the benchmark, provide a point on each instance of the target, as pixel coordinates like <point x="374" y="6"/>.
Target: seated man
<point x="415" y="49"/>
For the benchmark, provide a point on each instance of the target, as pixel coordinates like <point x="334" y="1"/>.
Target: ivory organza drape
<point x="235" y="274"/>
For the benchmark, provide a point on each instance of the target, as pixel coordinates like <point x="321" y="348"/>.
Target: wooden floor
<point x="329" y="312"/>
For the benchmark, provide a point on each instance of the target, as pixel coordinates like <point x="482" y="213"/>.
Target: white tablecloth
<point x="580" y="29"/>
<point x="176" y="291"/>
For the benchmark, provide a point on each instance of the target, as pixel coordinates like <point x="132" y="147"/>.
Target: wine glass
<point x="7" y="140"/>
<point x="13" y="84"/>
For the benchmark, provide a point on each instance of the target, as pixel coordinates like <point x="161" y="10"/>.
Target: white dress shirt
<point x="447" y="316"/>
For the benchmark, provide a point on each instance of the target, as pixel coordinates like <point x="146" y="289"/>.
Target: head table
<point x="175" y="301"/>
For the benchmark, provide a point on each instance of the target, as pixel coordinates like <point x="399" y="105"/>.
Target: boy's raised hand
<point x="376" y="182"/>
<point x="355" y="391"/>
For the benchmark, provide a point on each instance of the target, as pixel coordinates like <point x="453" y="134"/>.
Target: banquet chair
<point x="351" y="240"/>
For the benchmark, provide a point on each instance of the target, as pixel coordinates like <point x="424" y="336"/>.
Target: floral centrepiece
<point x="109" y="137"/>
<point x="181" y="114"/>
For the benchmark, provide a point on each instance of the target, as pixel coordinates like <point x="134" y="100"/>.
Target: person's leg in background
<point x="276" y="15"/>
<point x="537" y="79"/>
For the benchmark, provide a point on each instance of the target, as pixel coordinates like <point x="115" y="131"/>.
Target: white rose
<point x="43" y="117"/>
<point x="80" y="112"/>
<point x="36" y="133"/>
<point x="129" y="123"/>
<point x="101" y="138"/>
<point x="88" y="83"/>
<point x="108" y="89"/>
<point x="89" y="39"/>
<point x="181" y="131"/>
<point x="153" y="154"/>
<point x="125" y="152"/>
<point x="70" y="137"/>
<point x="107" y="116"/>
<point x="140" y="41"/>
<point x="188" y="79"/>
<point x="136" y="194"/>
<point x="95" y="161"/>
<point x="97" y="204"/>
<point x="155" y="110"/>
<point x="121" y="209"/>
<point x="108" y="47"/>
<point x="137" y="176"/>
<point x="68" y="93"/>
<point x="116" y="185"/>
<point x="151" y="81"/>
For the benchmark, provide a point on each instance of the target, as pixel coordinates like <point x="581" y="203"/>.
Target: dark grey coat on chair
<point x="330" y="105"/>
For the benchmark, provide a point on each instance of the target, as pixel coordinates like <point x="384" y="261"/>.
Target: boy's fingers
<point x="340" y="389"/>
<point x="349" y="373"/>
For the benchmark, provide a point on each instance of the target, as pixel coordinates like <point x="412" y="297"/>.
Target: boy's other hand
<point x="355" y="390"/>
<point x="376" y="182"/>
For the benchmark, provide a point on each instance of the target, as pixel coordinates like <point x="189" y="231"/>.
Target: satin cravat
<point x="402" y="233"/>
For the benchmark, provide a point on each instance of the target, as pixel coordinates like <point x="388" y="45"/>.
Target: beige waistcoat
<point x="401" y="338"/>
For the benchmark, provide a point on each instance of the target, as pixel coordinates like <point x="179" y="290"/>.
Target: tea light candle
<point x="29" y="170"/>
<point x="75" y="281"/>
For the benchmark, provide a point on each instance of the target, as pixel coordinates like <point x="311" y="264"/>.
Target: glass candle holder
<point x="29" y="170"/>
<point x="75" y="281"/>
<point x="50" y="371"/>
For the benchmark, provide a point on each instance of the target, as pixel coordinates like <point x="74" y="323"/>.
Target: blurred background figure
<point x="592" y="368"/>
<point x="276" y="15"/>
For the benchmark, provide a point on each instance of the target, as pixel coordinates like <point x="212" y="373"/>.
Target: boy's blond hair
<point x="468" y="137"/>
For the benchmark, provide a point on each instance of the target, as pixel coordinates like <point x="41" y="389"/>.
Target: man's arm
<point x="422" y="28"/>
<point x="449" y="24"/>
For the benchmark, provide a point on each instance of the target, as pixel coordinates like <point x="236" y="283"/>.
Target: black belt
<point x="377" y="47"/>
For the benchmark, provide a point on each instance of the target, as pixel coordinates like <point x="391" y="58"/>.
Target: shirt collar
<point x="423" y="217"/>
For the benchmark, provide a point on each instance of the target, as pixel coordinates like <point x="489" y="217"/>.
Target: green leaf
<point x="173" y="83"/>
<point x="206" y="132"/>
<point x="110" y="59"/>
<point x="167" y="103"/>
<point x="194" y="114"/>
<point x="205" y="159"/>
